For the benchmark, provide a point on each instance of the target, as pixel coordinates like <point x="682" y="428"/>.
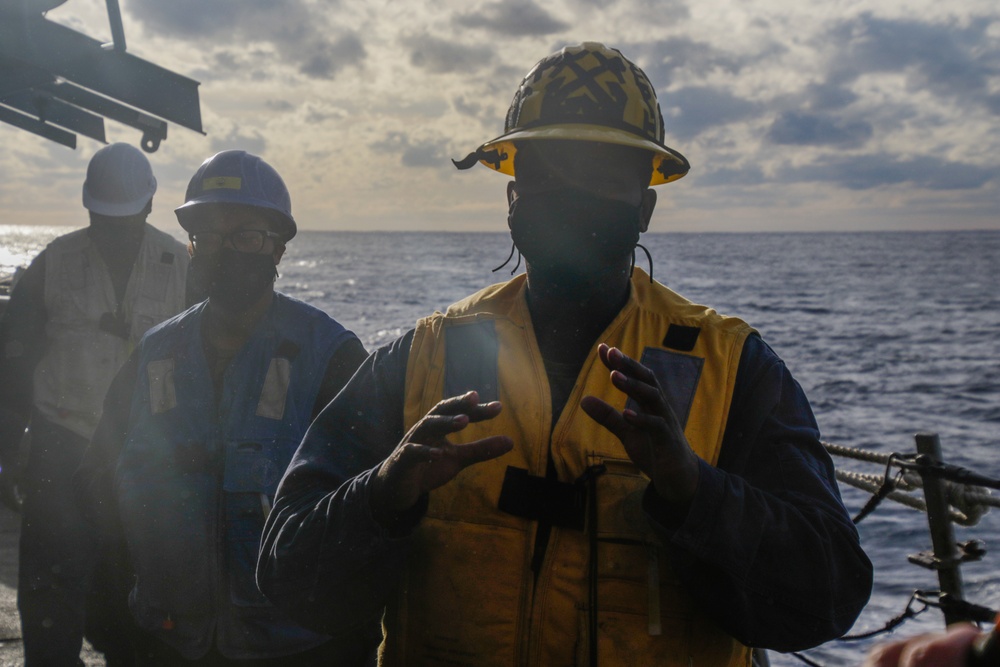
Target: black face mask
<point x="233" y="280"/>
<point x="116" y="232"/>
<point x="573" y="232"/>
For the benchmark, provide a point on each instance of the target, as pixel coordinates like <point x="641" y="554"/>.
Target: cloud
<point x="864" y="172"/>
<point x="732" y="176"/>
<point x="467" y="108"/>
<point x="267" y="20"/>
<point x="797" y="128"/>
<point x="442" y="56"/>
<point x="325" y="58"/>
<point x="424" y="153"/>
<point x="251" y="142"/>
<point x="515" y="18"/>
<point x="829" y="96"/>
<point x="226" y="63"/>
<point x="300" y="34"/>
<point x="950" y="60"/>
<point x="662" y="59"/>
<point x="692" y="110"/>
<point x="317" y="113"/>
<point x="677" y="10"/>
<point x="279" y="105"/>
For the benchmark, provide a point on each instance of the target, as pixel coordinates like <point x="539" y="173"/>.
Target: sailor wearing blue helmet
<point x="207" y="415"/>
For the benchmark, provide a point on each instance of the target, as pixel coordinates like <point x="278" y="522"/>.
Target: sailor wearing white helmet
<point x="73" y="318"/>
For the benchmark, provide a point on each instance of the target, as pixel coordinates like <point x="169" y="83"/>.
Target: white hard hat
<point x="119" y="181"/>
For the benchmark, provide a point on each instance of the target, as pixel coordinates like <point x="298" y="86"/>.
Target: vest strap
<point x="541" y="499"/>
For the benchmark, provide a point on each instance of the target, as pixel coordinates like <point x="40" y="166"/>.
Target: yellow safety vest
<point x="469" y="596"/>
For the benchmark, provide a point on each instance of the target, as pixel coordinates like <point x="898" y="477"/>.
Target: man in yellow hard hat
<point x="577" y="466"/>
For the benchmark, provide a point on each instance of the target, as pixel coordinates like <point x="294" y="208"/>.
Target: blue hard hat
<point x="237" y="177"/>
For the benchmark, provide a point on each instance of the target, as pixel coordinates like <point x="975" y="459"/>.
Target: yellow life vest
<point x="469" y="596"/>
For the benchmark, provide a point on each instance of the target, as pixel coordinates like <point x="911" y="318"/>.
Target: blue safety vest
<point x="195" y="478"/>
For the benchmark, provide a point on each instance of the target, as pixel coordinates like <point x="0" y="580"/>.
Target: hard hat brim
<point x="118" y="209"/>
<point x="668" y="165"/>
<point x="189" y="219"/>
<point x="113" y="210"/>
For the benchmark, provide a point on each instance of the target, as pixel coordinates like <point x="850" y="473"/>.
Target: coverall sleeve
<point x="767" y="546"/>
<point x="22" y="345"/>
<point x="324" y="559"/>
<point x="341" y="367"/>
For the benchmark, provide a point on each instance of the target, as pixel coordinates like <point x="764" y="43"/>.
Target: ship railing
<point x="951" y="495"/>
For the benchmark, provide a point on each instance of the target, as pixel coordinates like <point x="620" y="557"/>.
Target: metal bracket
<point x="967" y="552"/>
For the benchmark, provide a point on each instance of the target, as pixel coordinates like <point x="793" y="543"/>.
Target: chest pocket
<point x="158" y="298"/>
<point x="71" y="289"/>
<point x="252" y="473"/>
<point x="471" y="357"/>
<point x="678" y="376"/>
<point x="619" y="489"/>
<point x="257" y="466"/>
<point x="638" y="595"/>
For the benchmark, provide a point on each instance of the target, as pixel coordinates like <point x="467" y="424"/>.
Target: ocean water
<point x="889" y="334"/>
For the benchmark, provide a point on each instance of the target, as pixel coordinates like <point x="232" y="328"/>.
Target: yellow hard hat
<point x="588" y="92"/>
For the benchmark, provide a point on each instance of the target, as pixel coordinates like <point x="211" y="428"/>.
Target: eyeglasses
<point x="243" y="240"/>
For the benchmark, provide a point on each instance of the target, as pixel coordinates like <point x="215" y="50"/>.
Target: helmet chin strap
<point x="649" y="257"/>
<point x="513" y="247"/>
<point x="631" y="268"/>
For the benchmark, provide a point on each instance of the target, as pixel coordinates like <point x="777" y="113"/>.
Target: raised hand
<point x="425" y="460"/>
<point x="652" y="437"/>
<point x="944" y="649"/>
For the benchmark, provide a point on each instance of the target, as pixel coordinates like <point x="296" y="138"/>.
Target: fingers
<point x="456" y="405"/>
<point x="885" y="655"/>
<point x="451" y="415"/>
<point x="926" y="650"/>
<point x="483" y="411"/>
<point x="434" y="428"/>
<point x="636" y="381"/>
<point x="626" y="425"/>
<point x="467" y="404"/>
<point x="645" y="394"/>
<point x="478" y="451"/>
<point x="464" y="454"/>
<point x="604" y="414"/>
<point x="949" y="649"/>
<point x="616" y="360"/>
<point x="414" y="469"/>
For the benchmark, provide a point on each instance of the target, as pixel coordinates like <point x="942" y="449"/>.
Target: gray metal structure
<point x="58" y="83"/>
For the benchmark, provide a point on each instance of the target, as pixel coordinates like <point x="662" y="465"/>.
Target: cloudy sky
<point x="834" y="115"/>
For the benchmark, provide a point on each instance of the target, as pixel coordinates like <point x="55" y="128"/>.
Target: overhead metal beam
<point x="153" y="130"/>
<point x="17" y="76"/>
<point x="119" y="75"/>
<point x="29" y="6"/>
<point x="36" y="126"/>
<point x="117" y="31"/>
<point x="48" y="109"/>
